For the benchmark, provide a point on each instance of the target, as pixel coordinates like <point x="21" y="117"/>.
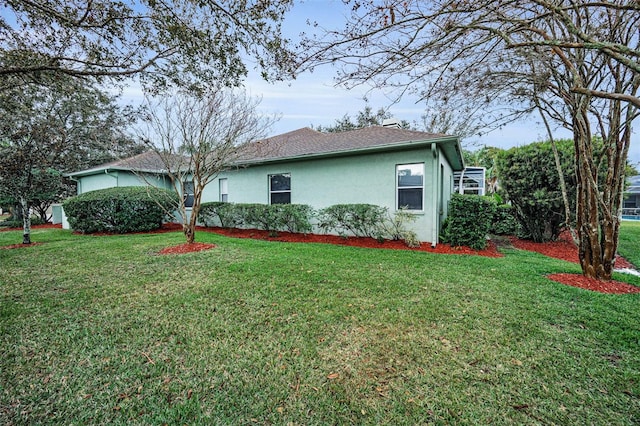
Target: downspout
<point x="78" y="185"/>
<point x="434" y="196"/>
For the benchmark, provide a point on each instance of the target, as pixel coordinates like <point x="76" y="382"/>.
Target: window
<point x="410" y="185"/>
<point x="187" y="193"/>
<point x="280" y="188"/>
<point x="224" y="191"/>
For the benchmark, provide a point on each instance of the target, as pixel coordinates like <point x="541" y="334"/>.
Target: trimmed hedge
<point x="269" y="217"/>
<point x="469" y="221"/>
<point x="361" y="220"/>
<point x="120" y="210"/>
<point x="219" y="213"/>
<point x="13" y="223"/>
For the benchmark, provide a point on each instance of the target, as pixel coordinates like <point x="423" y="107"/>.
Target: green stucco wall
<point x="321" y="182"/>
<point x="117" y="178"/>
<point x="369" y="178"/>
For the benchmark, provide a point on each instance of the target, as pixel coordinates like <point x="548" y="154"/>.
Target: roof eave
<point x="103" y="170"/>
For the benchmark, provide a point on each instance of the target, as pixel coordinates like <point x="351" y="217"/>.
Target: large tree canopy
<point x="575" y="62"/>
<point x="61" y="126"/>
<point x="173" y="42"/>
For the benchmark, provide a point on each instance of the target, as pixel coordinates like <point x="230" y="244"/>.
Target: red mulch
<point x="490" y="251"/>
<point x="565" y="249"/>
<point x="186" y="248"/>
<point x="45" y="226"/>
<point x="609" y="287"/>
<point x="16" y="246"/>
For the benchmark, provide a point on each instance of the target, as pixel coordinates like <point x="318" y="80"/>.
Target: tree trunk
<point x="26" y="221"/>
<point x="597" y="219"/>
<point x="189" y="232"/>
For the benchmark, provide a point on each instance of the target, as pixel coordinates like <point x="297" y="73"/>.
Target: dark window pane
<point x="187" y="188"/>
<point x="410" y="198"/>
<point x="280" y="182"/>
<point x="281" y="198"/>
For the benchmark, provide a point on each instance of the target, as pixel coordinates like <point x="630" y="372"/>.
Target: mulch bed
<point x="490" y="251"/>
<point x="565" y="249"/>
<point x="186" y="248"/>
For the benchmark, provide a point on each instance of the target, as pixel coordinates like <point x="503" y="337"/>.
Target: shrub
<point x="120" y="210"/>
<point x="469" y="221"/>
<point x="395" y="228"/>
<point x="504" y="221"/>
<point x="218" y="212"/>
<point x="260" y="216"/>
<point x="272" y="218"/>
<point x="294" y="217"/>
<point x="361" y="220"/>
<point x="530" y="180"/>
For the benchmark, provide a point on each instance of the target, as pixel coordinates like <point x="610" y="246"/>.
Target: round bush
<point x="120" y="210"/>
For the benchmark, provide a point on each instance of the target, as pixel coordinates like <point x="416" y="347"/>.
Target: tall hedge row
<point x="120" y="210"/>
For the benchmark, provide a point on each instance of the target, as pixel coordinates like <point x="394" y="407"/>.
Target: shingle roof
<point x="309" y="142"/>
<point x="149" y="162"/>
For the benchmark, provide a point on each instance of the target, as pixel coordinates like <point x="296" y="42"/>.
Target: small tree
<point x="530" y="180"/>
<point x="198" y="136"/>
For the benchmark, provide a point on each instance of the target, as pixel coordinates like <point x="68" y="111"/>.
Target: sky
<point x="313" y="99"/>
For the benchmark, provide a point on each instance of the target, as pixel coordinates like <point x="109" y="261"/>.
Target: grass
<point x="100" y="330"/>
<point x="629" y="243"/>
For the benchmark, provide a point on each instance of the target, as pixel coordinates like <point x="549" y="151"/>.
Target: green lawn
<point x="98" y="330"/>
<point x="629" y="244"/>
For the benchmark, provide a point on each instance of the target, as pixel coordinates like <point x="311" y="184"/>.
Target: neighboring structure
<point x="631" y="202"/>
<point x="382" y="165"/>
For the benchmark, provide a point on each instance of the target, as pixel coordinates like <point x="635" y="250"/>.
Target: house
<point x="383" y="165"/>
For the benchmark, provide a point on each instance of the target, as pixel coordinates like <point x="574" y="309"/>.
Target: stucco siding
<point x="117" y="178"/>
<point x="323" y="182"/>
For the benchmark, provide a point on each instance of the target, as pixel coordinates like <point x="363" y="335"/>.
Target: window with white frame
<point x="280" y="188"/>
<point x="224" y="190"/>
<point x="187" y="193"/>
<point x="410" y="186"/>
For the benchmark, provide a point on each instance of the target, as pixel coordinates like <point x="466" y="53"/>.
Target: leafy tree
<point x="529" y="179"/>
<point x="198" y="136"/>
<point x="576" y="63"/>
<point x="165" y="43"/>
<point x="49" y="129"/>
<point x="365" y="118"/>
<point x="45" y="190"/>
